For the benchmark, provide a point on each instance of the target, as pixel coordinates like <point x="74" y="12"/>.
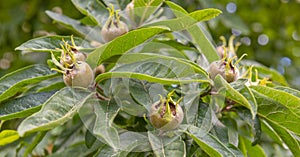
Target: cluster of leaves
<point x="166" y="49"/>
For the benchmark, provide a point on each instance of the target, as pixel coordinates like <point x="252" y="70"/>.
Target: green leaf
<point x="122" y="44"/>
<point x="288" y="100"/>
<point x="51" y="43"/>
<point x="8" y="136"/>
<point x="156" y="68"/>
<point x="211" y="145"/>
<point x="95" y="10"/>
<point x="17" y="81"/>
<point x="251" y="151"/>
<point x="279" y="114"/>
<point x="105" y="113"/>
<point x="236" y="96"/>
<point x="90" y="33"/>
<point x="199" y="38"/>
<point x="175" y="149"/>
<point x="288" y="90"/>
<point x="56" y="110"/>
<point x="167" y="48"/>
<point x="203" y="44"/>
<point x="186" y="21"/>
<point x="175" y="7"/>
<point x="23" y="106"/>
<point x="287" y="138"/>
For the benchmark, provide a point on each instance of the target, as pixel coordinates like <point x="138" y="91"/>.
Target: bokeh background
<point x="269" y="30"/>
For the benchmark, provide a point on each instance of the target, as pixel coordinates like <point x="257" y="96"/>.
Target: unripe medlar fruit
<point x="80" y="75"/>
<point x="166" y="114"/>
<point x="113" y="27"/>
<point x="225" y="68"/>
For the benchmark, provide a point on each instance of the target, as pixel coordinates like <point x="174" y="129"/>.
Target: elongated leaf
<point x="211" y="145"/>
<point x="8" y="136"/>
<point x="15" y="82"/>
<point x="186" y="21"/>
<point x="86" y="31"/>
<point x="55" y="111"/>
<point x="156" y="144"/>
<point x="278" y="113"/>
<point x="288" y="90"/>
<point x="196" y="32"/>
<point x="93" y="9"/>
<point x="290" y="101"/>
<point x="176" y="8"/>
<point x="51" y="43"/>
<point x="105" y="113"/>
<point x="23" y="106"/>
<point x="122" y="44"/>
<point x="287" y="138"/>
<point x="203" y="43"/>
<point x="156" y="68"/>
<point x="236" y="96"/>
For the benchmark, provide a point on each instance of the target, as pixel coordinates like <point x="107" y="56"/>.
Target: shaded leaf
<point x="105" y="113"/>
<point x="95" y="10"/>
<point x="122" y="44"/>
<point x="51" y="43"/>
<point x="55" y="111"/>
<point x="23" y="106"/>
<point x="15" y="82"/>
<point x="90" y="33"/>
<point x="211" y="145"/>
<point x="8" y="136"/>
<point x="236" y="96"/>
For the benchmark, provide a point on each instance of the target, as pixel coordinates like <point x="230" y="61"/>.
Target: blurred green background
<point x="269" y="30"/>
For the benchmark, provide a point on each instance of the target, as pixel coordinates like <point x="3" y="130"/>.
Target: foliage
<point x="167" y="50"/>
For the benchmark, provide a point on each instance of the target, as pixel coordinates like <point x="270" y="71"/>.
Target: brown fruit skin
<point x="162" y="124"/>
<point x="113" y="30"/>
<point x="219" y="67"/>
<point x="80" y="75"/>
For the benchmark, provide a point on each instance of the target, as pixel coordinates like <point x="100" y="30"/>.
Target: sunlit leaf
<point x="287" y="138"/>
<point x="251" y="151"/>
<point x="279" y="114"/>
<point x="8" y="136"/>
<point x="122" y="44"/>
<point x="186" y="21"/>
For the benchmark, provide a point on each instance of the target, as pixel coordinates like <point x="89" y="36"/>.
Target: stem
<point x="34" y="143"/>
